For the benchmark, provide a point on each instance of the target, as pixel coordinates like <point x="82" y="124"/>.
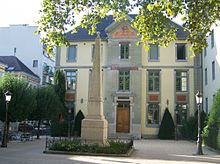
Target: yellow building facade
<point x="138" y="85"/>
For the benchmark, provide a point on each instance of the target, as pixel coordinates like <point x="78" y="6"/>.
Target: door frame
<point x="131" y="104"/>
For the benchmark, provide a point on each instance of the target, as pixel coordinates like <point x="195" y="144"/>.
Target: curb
<point x="128" y="154"/>
<point x="212" y="149"/>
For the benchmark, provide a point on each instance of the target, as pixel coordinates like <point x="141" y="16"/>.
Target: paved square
<point x="146" y="152"/>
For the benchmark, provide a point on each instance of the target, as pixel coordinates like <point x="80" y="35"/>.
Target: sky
<point x="21" y="12"/>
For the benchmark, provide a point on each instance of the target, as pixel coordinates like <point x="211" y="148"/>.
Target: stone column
<point x="95" y="126"/>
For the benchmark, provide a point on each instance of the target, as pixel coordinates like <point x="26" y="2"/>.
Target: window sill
<point x="153" y="60"/>
<point x="71" y="61"/>
<point x="152" y="126"/>
<point x="181" y="60"/>
<point x="124" y="59"/>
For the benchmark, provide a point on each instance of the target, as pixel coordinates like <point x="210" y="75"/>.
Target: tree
<point x="22" y="101"/>
<point x="211" y="132"/>
<point x="48" y="106"/>
<point x="23" y="98"/>
<point x="167" y="127"/>
<point x="152" y="21"/>
<point x="60" y="87"/>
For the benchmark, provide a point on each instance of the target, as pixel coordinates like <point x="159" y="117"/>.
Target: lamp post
<point x="7" y="100"/>
<point x="176" y="131"/>
<point x="199" y="140"/>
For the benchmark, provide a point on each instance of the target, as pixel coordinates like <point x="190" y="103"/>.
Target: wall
<point x="27" y="44"/>
<point x="213" y="54"/>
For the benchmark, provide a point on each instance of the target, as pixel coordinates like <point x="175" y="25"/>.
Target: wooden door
<point x="123" y="120"/>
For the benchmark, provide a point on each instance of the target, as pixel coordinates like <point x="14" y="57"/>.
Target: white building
<point x="20" y="41"/>
<point x="211" y="68"/>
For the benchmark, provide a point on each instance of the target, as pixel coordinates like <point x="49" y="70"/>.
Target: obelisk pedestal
<point x="95" y="127"/>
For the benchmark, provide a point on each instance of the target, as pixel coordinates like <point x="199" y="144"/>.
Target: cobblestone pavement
<point x="146" y="152"/>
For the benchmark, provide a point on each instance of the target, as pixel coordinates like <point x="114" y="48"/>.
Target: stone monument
<point x="95" y="127"/>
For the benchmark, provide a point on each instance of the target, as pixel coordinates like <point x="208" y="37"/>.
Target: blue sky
<point x="21" y="12"/>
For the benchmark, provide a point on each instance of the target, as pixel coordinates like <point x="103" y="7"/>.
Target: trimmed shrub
<point x="167" y="127"/>
<point x="59" y="129"/>
<point x="115" y="147"/>
<point x="189" y="130"/>
<point x="211" y="133"/>
<point x="78" y="122"/>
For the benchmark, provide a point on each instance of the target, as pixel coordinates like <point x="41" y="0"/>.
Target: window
<point x="206" y="76"/>
<point x="212" y="39"/>
<point x="124" y="80"/>
<point x="205" y="51"/>
<point x="181" y="113"/>
<point x="124" y="53"/>
<point x="71" y="80"/>
<point x="181" y="81"/>
<point x="181" y="51"/>
<point x="206" y="105"/>
<point x="154" y="81"/>
<point x="71" y="53"/>
<point x="153" y="114"/>
<point x="213" y="70"/>
<point x="154" y="52"/>
<point x="35" y="63"/>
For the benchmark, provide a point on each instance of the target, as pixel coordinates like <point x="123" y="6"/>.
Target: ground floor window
<point x="153" y="114"/>
<point x="181" y="113"/>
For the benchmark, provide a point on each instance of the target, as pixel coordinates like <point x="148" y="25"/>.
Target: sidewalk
<point x="146" y="152"/>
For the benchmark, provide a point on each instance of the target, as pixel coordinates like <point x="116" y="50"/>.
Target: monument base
<point x="94" y="131"/>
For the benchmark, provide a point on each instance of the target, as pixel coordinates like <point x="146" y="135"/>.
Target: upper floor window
<point x="181" y="81"/>
<point x="154" y="52"/>
<point x="181" y="51"/>
<point x="124" y="80"/>
<point x="205" y="51"/>
<point x="212" y="39"/>
<point x="35" y="63"/>
<point x="153" y="114"/>
<point x="213" y="70"/>
<point x="71" y="53"/>
<point x="154" y="81"/>
<point x="124" y="51"/>
<point x="206" y="76"/>
<point x="71" y="80"/>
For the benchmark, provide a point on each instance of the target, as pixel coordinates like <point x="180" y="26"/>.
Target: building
<point x="138" y="85"/>
<point x="13" y="65"/>
<point x="20" y="41"/>
<point x="211" y="68"/>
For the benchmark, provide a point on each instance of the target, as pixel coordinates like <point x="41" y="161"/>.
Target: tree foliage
<point x="22" y="101"/>
<point x="152" y="22"/>
<point x="48" y="106"/>
<point x="211" y="132"/>
<point x="60" y="87"/>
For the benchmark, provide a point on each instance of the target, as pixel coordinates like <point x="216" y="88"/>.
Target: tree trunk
<point x="38" y="129"/>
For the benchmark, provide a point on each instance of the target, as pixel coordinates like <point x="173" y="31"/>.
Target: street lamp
<point x="199" y="140"/>
<point x="176" y="131"/>
<point x="7" y="100"/>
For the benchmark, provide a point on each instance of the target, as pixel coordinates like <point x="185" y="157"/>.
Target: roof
<point x="15" y="65"/>
<point x="83" y="35"/>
